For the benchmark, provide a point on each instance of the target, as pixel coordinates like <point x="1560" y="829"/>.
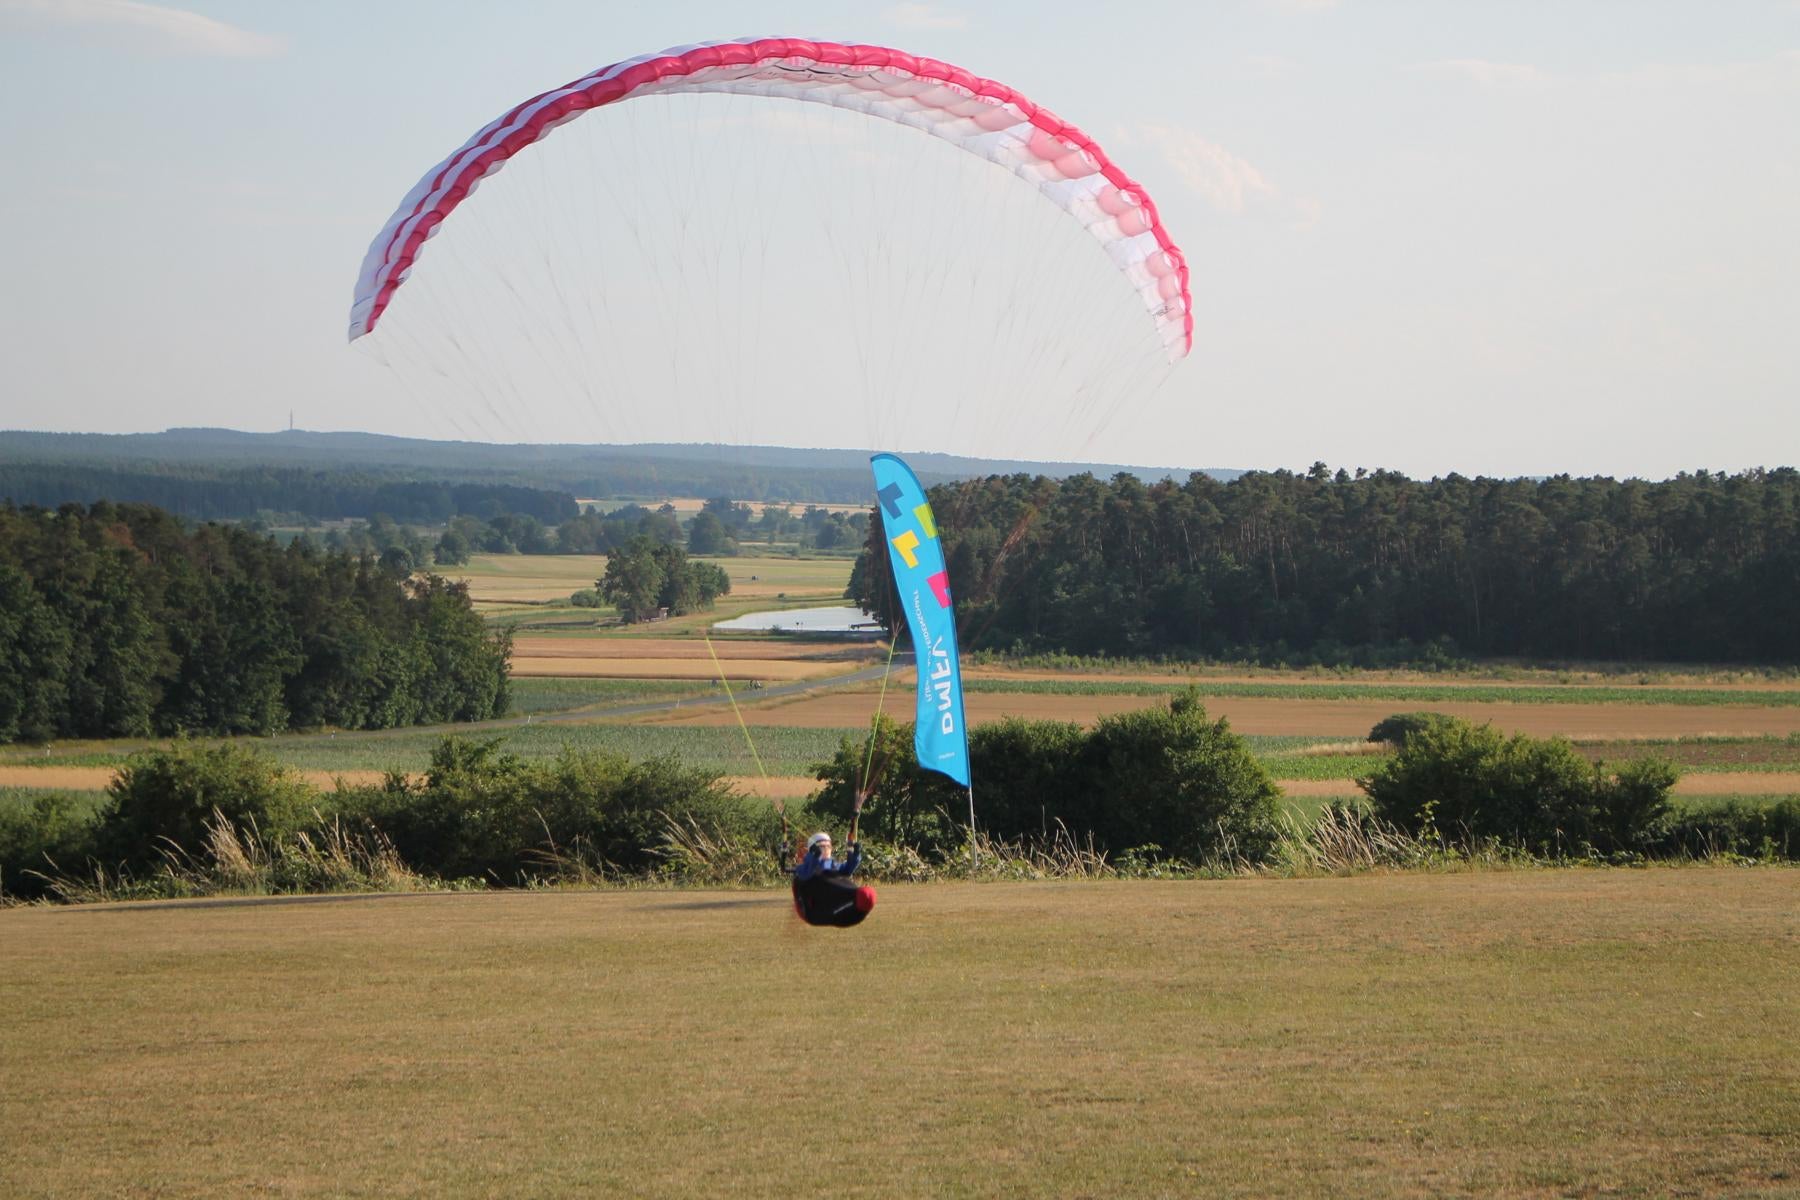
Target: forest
<point x="210" y="492"/>
<point x="117" y="620"/>
<point x="1327" y="566"/>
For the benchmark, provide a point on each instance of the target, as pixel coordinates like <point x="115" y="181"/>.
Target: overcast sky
<point x="1502" y="238"/>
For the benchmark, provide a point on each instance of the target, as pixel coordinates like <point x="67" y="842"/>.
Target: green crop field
<point x="547" y="695"/>
<point x="1410" y="693"/>
<point x="13" y="799"/>
<point x="1568" y="1032"/>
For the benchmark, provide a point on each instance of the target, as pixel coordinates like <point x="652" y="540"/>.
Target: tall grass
<point x="237" y="860"/>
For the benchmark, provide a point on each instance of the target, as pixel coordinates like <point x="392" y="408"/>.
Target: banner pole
<point x="974" y="849"/>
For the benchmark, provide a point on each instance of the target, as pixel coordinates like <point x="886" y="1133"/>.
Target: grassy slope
<point x="1557" y="1031"/>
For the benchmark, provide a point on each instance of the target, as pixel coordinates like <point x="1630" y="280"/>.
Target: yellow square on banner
<point x="923" y="513"/>
<point x="906" y="543"/>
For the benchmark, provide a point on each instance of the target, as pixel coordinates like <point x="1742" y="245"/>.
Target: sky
<point x="1517" y="238"/>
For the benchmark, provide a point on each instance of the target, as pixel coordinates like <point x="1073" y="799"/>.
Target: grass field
<point x="1321" y="719"/>
<point x="1422" y="694"/>
<point x="1764" y="765"/>
<point x="687" y="506"/>
<point x="546" y="578"/>
<point x="530" y="592"/>
<point x="1542" y="1032"/>
<point x="531" y="695"/>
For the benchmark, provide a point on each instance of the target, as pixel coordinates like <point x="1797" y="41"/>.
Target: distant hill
<point x="50" y="468"/>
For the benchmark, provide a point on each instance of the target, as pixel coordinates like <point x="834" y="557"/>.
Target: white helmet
<point x="817" y="838"/>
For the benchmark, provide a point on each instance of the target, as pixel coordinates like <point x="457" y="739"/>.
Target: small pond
<point x="841" y="621"/>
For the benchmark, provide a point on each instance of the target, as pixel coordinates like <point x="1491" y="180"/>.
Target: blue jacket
<point x="812" y="864"/>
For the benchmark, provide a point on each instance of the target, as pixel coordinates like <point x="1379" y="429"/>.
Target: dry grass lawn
<point x="1537" y="1033"/>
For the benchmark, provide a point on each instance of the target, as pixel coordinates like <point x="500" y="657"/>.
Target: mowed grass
<point x="527" y="578"/>
<point x="1542" y="1032"/>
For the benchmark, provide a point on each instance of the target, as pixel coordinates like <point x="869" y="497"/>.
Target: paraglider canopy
<point x="982" y="116"/>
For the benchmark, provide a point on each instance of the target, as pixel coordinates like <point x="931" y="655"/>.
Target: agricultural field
<point x="666" y="659"/>
<point x="1730" y="736"/>
<point x="1302" y="715"/>
<point x="687" y="506"/>
<point x="1540" y="1032"/>
<point x="531" y="592"/>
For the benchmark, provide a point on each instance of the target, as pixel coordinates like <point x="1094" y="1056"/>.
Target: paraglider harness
<point x="832" y="900"/>
<point x="822" y="899"/>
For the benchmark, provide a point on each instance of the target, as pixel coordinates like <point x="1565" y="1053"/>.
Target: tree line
<point x="117" y="620"/>
<point x="722" y="528"/>
<point x="207" y="493"/>
<point x="1334" y="567"/>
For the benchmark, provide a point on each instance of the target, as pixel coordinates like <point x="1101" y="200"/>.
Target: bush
<point x="906" y="803"/>
<point x="586" y="598"/>
<point x="1162" y="776"/>
<point x="171" y="794"/>
<point x="1025" y="769"/>
<point x="1169" y="776"/>
<point x="481" y="812"/>
<point x="1474" y="783"/>
<point x="1395" y="730"/>
<point x="1754" y="830"/>
<point x="50" y="832"/>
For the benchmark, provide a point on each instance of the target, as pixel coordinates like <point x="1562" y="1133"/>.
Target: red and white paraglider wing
<point x="983" y="117"/>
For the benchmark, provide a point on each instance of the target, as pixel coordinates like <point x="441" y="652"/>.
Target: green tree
<point x="452" y="549"/>
<point x="634" y="581"/>
<point x="1470" y="781"/>
<point x="708" y="535"/>
<point x="35" y="649"/>
<point x="169" y="796"/>
<point x="1171" y="778"/>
